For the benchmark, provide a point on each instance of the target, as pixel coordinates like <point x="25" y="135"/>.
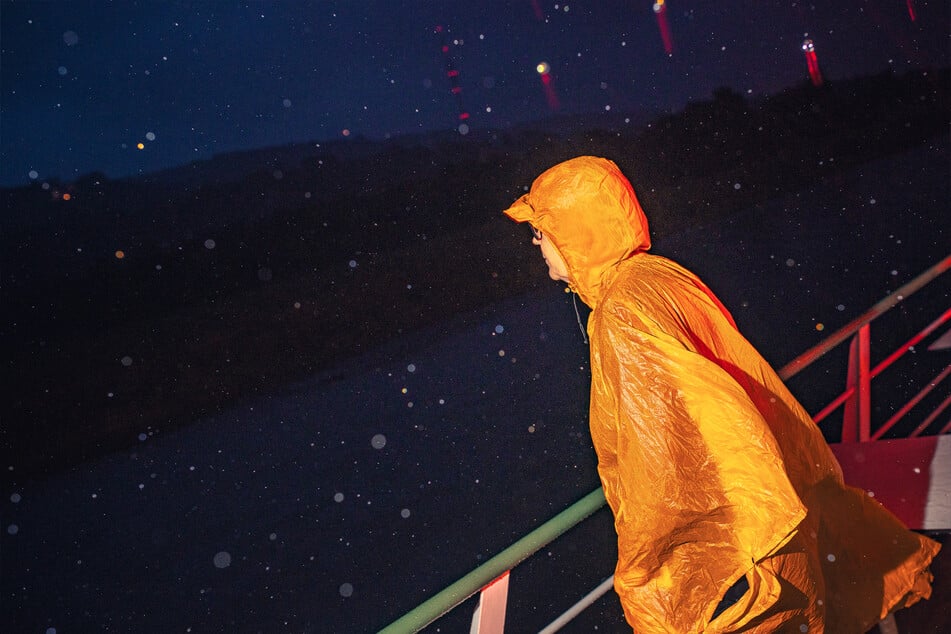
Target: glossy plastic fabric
<point x="712" y="468"/>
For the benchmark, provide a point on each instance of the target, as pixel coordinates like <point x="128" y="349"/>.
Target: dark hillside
<point x="255" y="269"/>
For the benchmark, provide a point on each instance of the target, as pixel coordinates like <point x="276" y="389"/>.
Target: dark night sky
<point x="84" y="82"/>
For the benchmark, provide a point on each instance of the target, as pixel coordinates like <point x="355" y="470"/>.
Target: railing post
<point x="489" y="615"/>
<point x="856" y="419"/>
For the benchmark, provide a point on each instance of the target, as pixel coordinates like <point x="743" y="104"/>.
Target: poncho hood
<point x="590" y="213"/>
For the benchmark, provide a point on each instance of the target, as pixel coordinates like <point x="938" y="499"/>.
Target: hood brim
<point x="520" y="211"/>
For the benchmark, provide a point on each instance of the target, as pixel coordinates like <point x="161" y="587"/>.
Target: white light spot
<point x="411" y="367"/>
<point x="737" y="186"/>
<point x="34" y="175"/>
<point x="378" y="441"/>
<point x="346" y="590"/>
<point x="840" y="307"/>
<point x="150" y="136"/>
<point x="62" y="70"/>
<point x="871" y="201"/>
<point x="13" y="529"/>
<point x="338" y="497"/>
<point x="127" y="361"/>
<point x="499" y="329"/>
<point x="222" y="559"/>
<point x="15" y="498"/>
<point x="790" y="262"/>
<point x="287" y="103"/>
<point x="353" y="264"/>
<point x="917" y="470"/>
<point x="209" y="244"/>
<point x="804" y="628"/>
<point x="51" y="630"/>
<point x="830" y="557"/>
<point x="143" y="437"/>
<point x="463" y="129"/>
<point x="272" y="536"/>
<point x="404" y="513"/>
<point x="501" y="353"/>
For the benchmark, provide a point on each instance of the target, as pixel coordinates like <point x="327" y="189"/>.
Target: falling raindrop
<point x="222" y="559"/>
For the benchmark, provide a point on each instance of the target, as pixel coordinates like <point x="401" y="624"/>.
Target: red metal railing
<point x="856" y="421"/>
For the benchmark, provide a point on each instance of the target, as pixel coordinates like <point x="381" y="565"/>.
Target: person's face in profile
<point x="557" y="269"/>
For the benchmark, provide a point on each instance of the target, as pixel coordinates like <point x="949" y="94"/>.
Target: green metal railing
<point x="473" y="582"/>
<point x="435" y="607"/>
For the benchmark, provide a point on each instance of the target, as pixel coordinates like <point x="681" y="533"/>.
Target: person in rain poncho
<point x="716" y="476"/>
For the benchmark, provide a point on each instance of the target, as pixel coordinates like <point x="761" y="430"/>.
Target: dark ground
<point x="284" y="513"/>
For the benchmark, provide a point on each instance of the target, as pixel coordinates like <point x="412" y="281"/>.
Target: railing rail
<point x="431" y="609"/>
<point x="795" y="366"/>
<point x="854" y="395"/>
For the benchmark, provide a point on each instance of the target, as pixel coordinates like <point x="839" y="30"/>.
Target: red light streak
<point x="539" y="15"/>
<point x="660" y="9"/>
<point x="812" y="62"/>
<point x="453" y="74"/>
<point x="544" y="70"/>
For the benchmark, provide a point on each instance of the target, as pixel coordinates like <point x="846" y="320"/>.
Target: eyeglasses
<point x="536" y="233"/>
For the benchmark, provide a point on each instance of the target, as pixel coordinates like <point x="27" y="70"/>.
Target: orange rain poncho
<point x="712" y="468"/>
